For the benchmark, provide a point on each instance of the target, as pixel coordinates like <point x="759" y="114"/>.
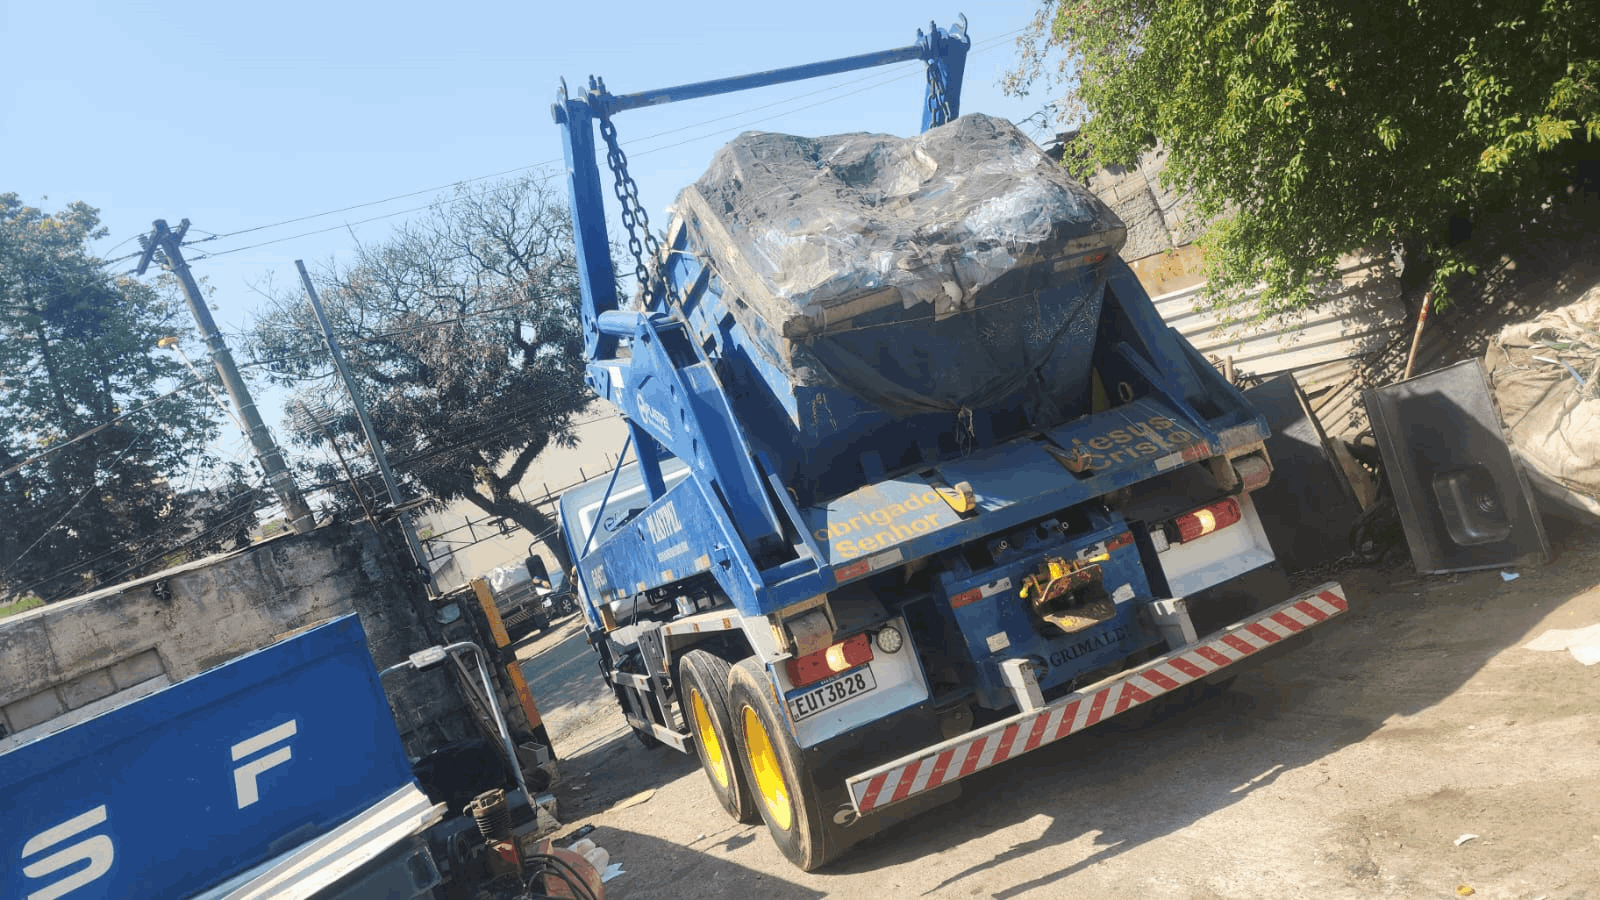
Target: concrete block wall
<point x="66" y="661"/>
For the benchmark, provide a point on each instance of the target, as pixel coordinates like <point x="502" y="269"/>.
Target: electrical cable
<point x="81" y="496"/>
<point x="832" y="88"/>
<point x="539" y="165"/>
<point x="258" y="487"/>
<point x="190" y="541"/>
<point x="81" y="564"/>
<point x="405" y="196"/>
<point x="381" y="336"/>
<point x="389" y="215"/>
<point x="491" y="432"/>
<point x="481" y="430"/>
<point x="577" y="885"/>
<point x="125" y="240"/>
<point x="98" y="428"/>
<point x="479" y="437"/>
<point x="107" y="262"/>
<point x="113" y="247"/>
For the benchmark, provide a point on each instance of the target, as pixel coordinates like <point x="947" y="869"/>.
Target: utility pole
<point x="366" y="426"/>
<point x="170" y="243"/>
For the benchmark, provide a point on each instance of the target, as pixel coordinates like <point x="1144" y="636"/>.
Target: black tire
<point x="703" y="689"/>
<point x="780" y="785"/>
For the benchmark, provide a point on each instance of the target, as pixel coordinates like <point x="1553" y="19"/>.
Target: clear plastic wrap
<point x="819" y="231"/>
<point x="945" y="271"/>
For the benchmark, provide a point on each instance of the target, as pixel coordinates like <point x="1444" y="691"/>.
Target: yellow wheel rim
<point x="708" y="738"/>
<point x="768" y="775"/>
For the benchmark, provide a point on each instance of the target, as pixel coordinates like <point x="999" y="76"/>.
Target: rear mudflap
<point x="830" y="763"/>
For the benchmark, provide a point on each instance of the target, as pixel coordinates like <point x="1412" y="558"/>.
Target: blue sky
<point x="245" y="116"/>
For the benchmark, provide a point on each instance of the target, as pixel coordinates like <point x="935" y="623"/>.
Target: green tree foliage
<point x="223" y="517"/>
<point x="77" y="351"/>
<point x="1315" y="127"/>
<point x="461" y="333"/>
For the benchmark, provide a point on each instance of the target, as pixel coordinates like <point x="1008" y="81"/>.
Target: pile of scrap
<point x="1546" y="378"/>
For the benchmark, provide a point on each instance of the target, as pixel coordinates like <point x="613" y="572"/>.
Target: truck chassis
<point x="842" y="638"/>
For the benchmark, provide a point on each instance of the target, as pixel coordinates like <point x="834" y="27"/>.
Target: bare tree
<point x="461" y="330"/>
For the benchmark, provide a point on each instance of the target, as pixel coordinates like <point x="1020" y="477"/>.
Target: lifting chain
<point x="641" y="243"/>
<point x="938" y="103"/>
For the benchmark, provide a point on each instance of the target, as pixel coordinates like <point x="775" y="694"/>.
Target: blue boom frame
<point x="664" y="386"/>
<point x="778" y="506"/>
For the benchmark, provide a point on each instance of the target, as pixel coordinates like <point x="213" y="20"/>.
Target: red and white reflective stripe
<point x="959" y="757"/>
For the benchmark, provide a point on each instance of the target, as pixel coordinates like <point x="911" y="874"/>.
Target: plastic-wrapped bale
<point x="1546" y="376"/>
<point x="935" y="272"/>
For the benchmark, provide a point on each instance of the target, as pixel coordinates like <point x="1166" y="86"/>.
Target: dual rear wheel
<point x="751" y="761"/>
<point x="703" y="685"/>
<point x="781" y="783"/>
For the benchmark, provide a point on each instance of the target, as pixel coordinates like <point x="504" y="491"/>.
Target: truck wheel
<point x="780" y="784"/>
<point x="703" y="681"/>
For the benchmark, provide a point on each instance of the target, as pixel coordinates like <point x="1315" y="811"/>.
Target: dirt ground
<point x="1415" y="749"/>
<point x="1350" y="769"/>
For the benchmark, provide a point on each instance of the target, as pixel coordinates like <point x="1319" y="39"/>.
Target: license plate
<point x="831" y="693"/>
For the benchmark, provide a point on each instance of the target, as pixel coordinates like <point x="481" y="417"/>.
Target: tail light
<point x="1205" y="520"/>
<point x="831" y="660"/>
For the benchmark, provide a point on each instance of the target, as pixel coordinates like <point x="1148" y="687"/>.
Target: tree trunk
<point x="530" y="518"/>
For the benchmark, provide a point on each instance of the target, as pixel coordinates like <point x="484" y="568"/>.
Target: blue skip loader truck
<point x="917" y="481"/>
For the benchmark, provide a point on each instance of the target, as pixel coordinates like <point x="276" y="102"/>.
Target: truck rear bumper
<point x="948" y="761"/>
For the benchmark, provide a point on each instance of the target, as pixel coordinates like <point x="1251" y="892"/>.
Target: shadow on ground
<point x="654" y="868"/>
<point x="613" y="769"/>
<point x="1406" y="644"/>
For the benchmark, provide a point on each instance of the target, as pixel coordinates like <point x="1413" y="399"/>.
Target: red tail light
<point x="847" y="654"/>
<point x="1207" y="519"/>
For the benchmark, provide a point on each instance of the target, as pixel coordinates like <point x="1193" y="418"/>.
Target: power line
<point x="482" y="431"/>
<point x="333" y="212"/>
<point x="881" y="81"/>
<point x="98" y="428"/>
<point x="107" y="262"/>
<point x="478" y="433"/>
<point x="200" y="537"/>
<point x="382" y="336"/>
<point x="832" y="88"/>
<point x="165" y="551"/>
<point x="123" y="258"/>
<point x="539" y="165"/>
<point x="980" y="48"/>
<point x="480" y="437"/>
<point x="93" y="486"/>
<point x="388" y="215"/>
<point x="192" y="382"/>
<point x="84" y="563"/>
